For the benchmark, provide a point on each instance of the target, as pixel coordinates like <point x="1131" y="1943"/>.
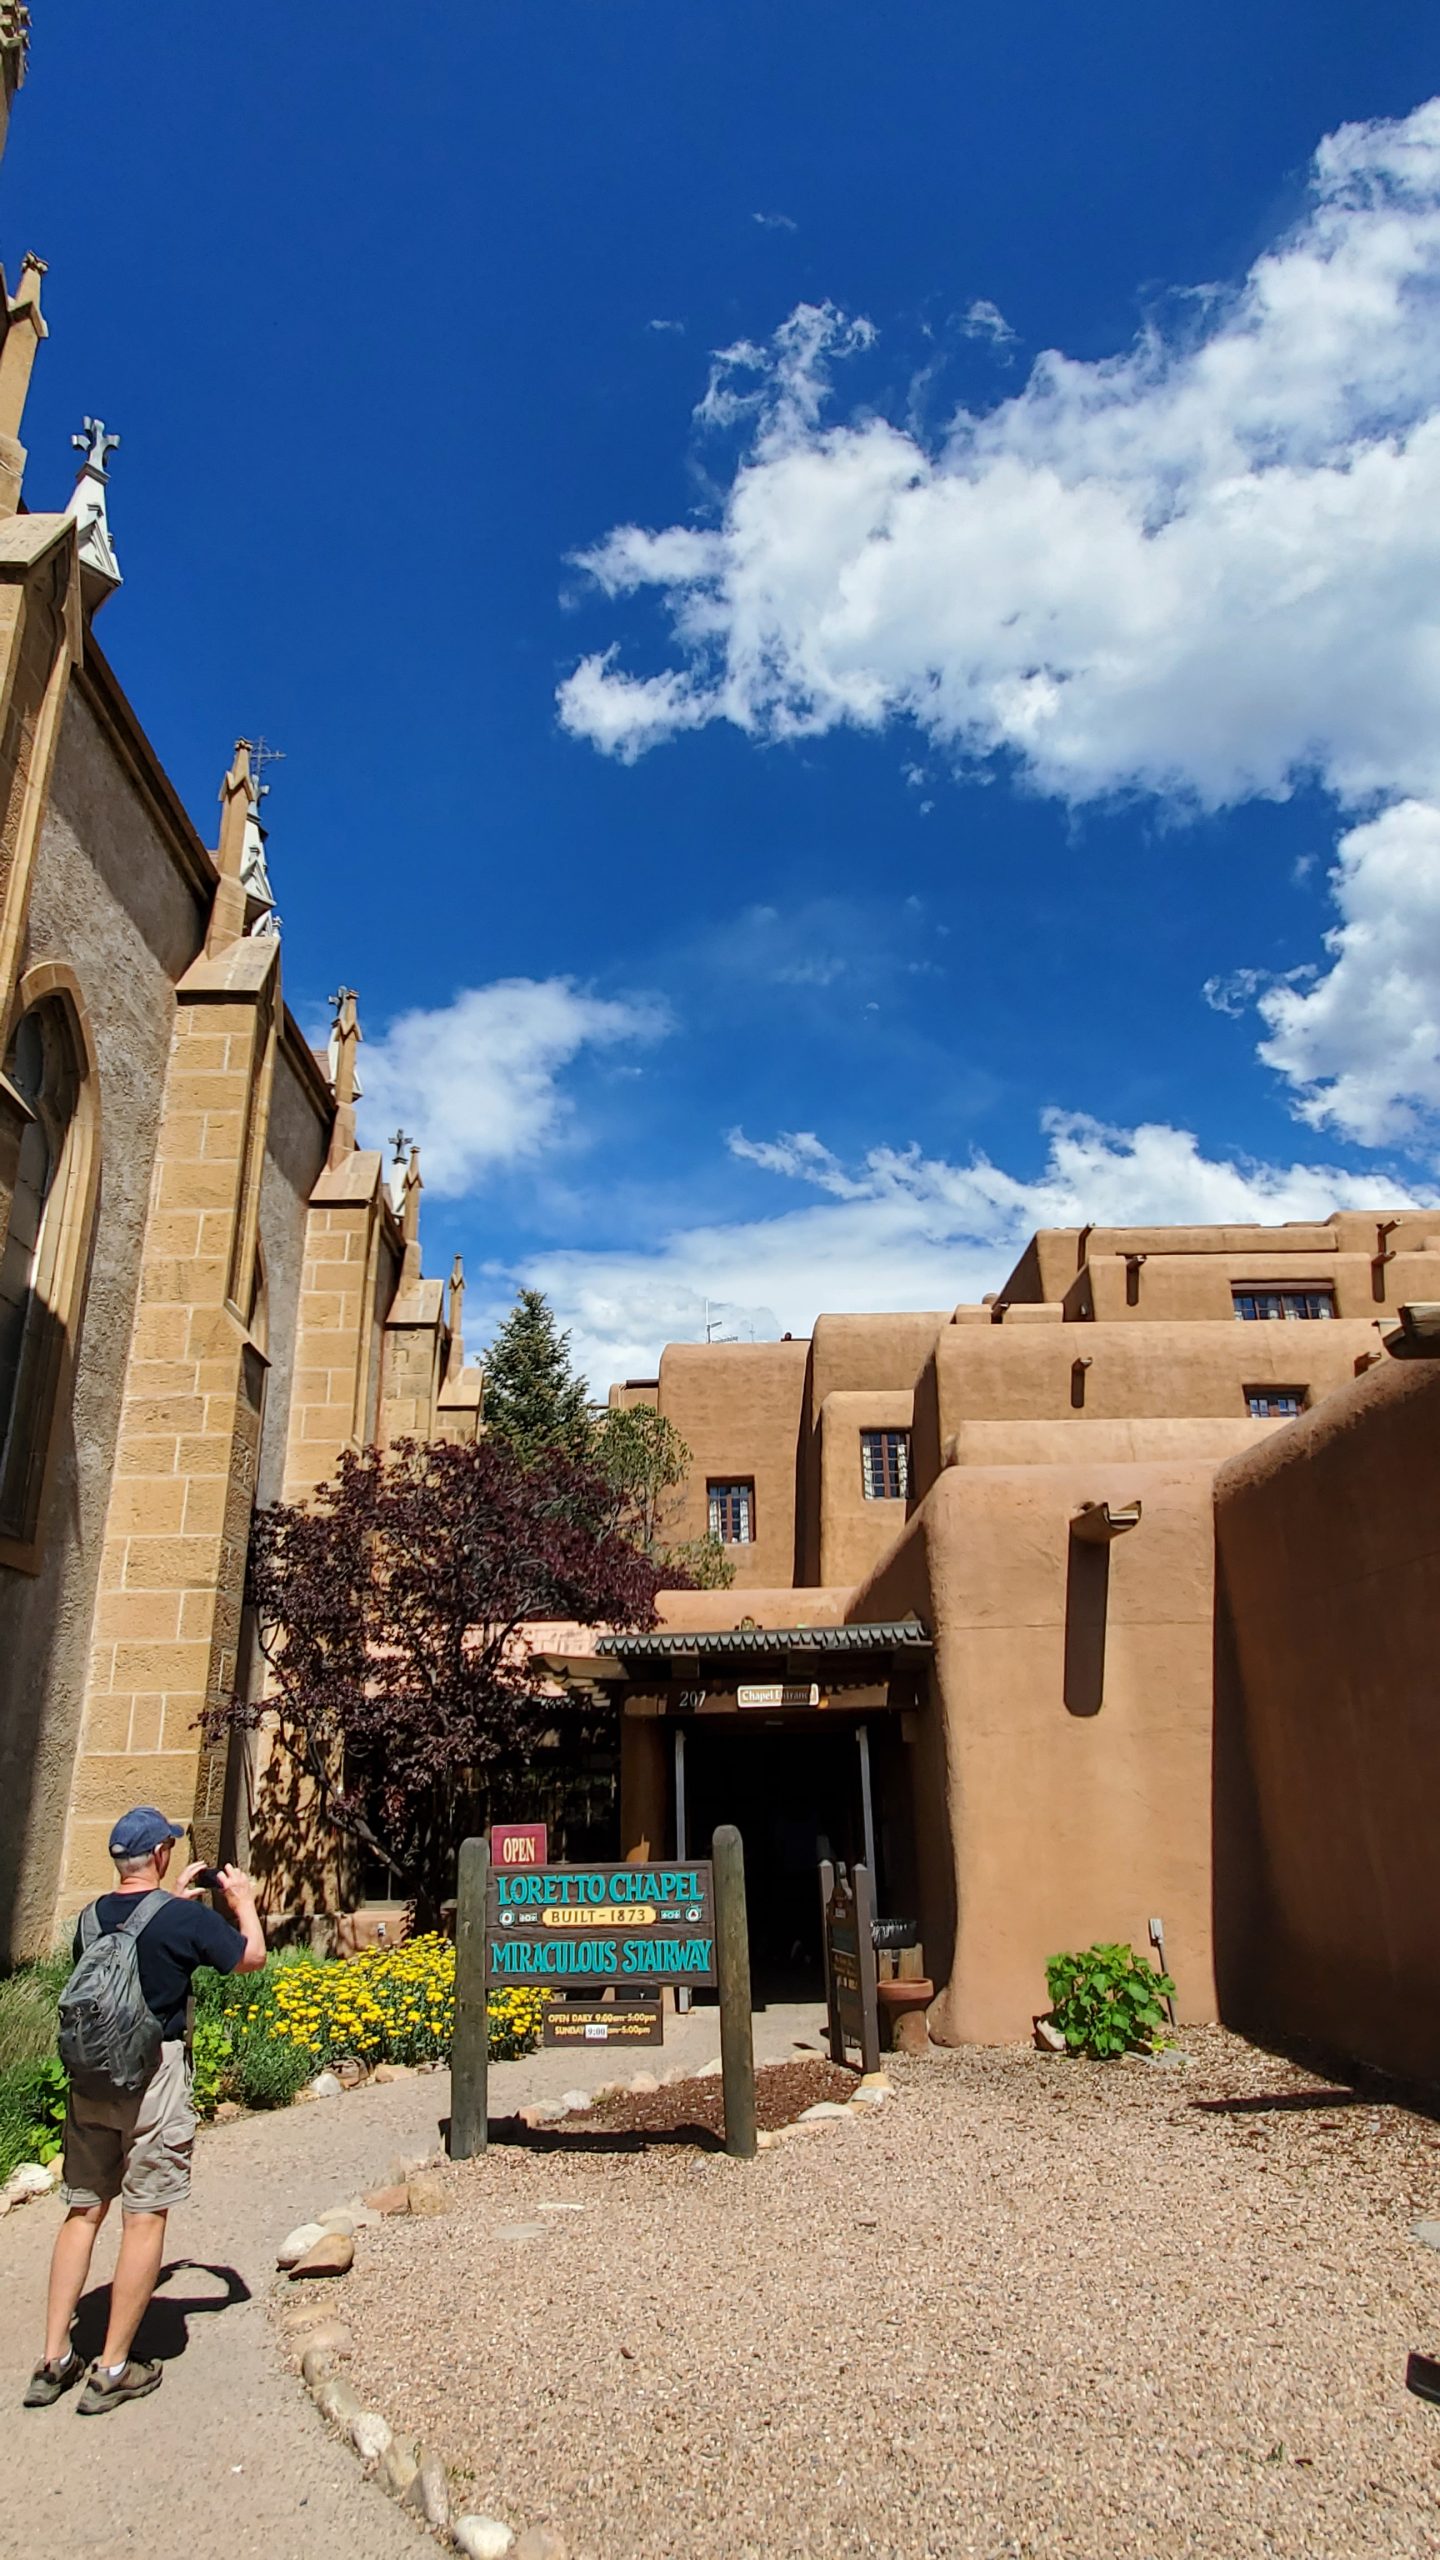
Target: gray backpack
<point x="109" y="2036"/>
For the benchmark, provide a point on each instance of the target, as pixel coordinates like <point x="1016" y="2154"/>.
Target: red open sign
<point x="518" y="1844"/>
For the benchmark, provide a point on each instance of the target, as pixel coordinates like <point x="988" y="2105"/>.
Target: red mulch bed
<point x="783" y="2090"/>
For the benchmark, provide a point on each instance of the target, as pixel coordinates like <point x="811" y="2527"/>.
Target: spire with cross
<point x="89" y="511"/>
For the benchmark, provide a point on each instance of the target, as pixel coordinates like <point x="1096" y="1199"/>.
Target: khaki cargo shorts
<point x="137" y="2148"/>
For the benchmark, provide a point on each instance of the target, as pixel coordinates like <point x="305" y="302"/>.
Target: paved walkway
<point x="228" y="2459"/>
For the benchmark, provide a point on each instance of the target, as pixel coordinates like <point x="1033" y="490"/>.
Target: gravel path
<point x="1032" y="2307"/>
<point x="229" y="2460"/>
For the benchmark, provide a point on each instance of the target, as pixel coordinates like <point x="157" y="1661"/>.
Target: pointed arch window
<point x="46" y="1248"/>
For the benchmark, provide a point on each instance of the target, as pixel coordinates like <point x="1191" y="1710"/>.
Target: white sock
<point x="115" y="2370"/>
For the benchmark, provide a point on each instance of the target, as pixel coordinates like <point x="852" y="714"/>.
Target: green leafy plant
<point x="209" y="2061"/>
<point x="1107" y="2001"/>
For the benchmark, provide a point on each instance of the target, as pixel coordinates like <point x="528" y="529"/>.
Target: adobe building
<point x="979" y="1604"/>
<point x="207" y="1288"/>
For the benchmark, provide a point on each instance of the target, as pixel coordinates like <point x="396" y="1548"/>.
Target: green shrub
<point x="269" y="2075"/>
<point x="1107" y="2001"/>
<point x="28" y="2001"/>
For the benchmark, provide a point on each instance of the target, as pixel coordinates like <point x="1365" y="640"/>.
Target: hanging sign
<point x="577" y="1927"/>
<point x="518" y="1844"/>
<point x="780" y="1693"/>
<point x="628" y="2021"/>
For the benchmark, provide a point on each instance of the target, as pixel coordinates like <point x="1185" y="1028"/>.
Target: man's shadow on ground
<point x="164" y="2332"/>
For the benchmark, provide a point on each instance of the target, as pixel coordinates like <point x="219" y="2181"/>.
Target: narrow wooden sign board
<point x="851" y="1998"/>
<point x="588" y="1928"/>
<point x="603" y="2022"/>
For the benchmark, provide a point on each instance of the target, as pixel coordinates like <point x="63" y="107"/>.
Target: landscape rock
<point x="394" y="2199"/>
<point x="343" y="2224"/>
<point x="1429" y="2232"/>
<point x="370" y="2434"/>
<point x="543" y="2111"/>
<point x="324" y="2085"/>
<point x="766" y="2140"/>
<point x="397" y="2467"/>
<point x="521" y="2231"/>
<point x="332" y="2255"/>
<point x="316" y="2365"/>
<point x="385" y="2072"/>
<point x="912" y="2035"/>
<point x="293" y="2247"/>
<point x="576" y="2101"/>
<point x="350" y="2071"/>
<point x="869" y="2096"/>
<point x="227" y="2112"/>
<point x="337" y="2400"/>
<point x="642" y="2082"/>
<point x="30" y="2179"/>
<point x="1048" y="2036"/>
<point x="482" y="2537"/>
<point x="824" y="2111"/>
<point x="429" y="2492"/>
<point x="426" y="2194"/>
<point x="708" y="2070"/>
<point x="540" y="2542"/>
<point x="334" y="2337"/>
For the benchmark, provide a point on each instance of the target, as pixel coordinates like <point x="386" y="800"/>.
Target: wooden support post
<point x="470" y="2050"/>
<point x="865" y="1947"/>
<point x="732" y="1964"/>
<point x="832" y="2013"/>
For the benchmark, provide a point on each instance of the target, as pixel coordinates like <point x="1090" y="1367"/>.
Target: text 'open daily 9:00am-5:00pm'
<point x="630" y="1924"/>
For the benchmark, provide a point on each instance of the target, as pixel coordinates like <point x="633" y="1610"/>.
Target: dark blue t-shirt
<point x="169" y="1947"/>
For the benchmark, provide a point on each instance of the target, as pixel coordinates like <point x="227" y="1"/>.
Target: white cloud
<point x="986" y="320"/>
<point x="477" y="1081"/>
<point x="1203" y="567"/>
<point x="667" y="328"/>
<point x="775" y="221"/>
<point x="1361" y="1044"/>
<point x="902" y="1229"/>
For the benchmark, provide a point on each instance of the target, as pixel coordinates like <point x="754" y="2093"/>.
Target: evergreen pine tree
<point x="533" y="1399"/>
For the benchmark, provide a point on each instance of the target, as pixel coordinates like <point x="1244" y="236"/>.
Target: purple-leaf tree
<point x="392" y="1614"/>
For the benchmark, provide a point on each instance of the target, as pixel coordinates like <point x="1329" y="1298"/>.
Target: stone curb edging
<point x="325" y="2248"/>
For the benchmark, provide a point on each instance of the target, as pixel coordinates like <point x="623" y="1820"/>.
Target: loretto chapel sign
<point x="583" y="1928"/>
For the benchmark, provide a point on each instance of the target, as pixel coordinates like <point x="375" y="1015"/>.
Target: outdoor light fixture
<point x="1096" y="1523"/>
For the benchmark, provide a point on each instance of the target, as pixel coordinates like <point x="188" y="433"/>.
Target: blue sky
<point x="822" y="574"/>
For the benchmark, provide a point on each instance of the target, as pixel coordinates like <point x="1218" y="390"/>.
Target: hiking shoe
<point x="49" y="2380"/>
<point x="104" y="2391"/>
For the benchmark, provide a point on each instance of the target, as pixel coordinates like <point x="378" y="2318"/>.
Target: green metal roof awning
<point x="730" y="1644"/>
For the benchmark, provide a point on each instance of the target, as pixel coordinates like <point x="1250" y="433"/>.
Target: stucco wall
<point x="1068" y="1741"/>
<point x="110" y="903"/>
<point x="1027" y="1373"/>
<point x="851" y="1355"/>
<point x="737" y="1407"/>
<point x="855" y="1533"/>
<point x="1327" y="1883"/>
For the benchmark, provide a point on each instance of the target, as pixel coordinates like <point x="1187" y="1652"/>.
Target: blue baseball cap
<point x="141" y="1830"/>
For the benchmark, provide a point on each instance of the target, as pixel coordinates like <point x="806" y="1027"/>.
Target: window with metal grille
<point x="1259" y="1305"/>
<point x="885" y="1465"/>
<point x="732" y="1513"/>
<point x="1275" y="1404"/>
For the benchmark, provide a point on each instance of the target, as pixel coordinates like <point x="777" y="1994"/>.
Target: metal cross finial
<point x="262" y="754"/>
<point x="96" y="446"/>
<point x="400" y="1142"/>
<point x="342" y="997"/>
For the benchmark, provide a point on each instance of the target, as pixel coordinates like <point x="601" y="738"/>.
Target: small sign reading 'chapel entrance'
<point x="779" y="1693"/>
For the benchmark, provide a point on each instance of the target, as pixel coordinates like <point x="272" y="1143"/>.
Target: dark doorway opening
<point x="793" y="1793"/>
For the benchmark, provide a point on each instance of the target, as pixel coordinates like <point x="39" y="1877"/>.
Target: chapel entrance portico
<point x="804" y="1737"/>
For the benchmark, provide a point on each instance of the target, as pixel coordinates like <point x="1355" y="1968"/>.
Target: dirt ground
<point x="1032" y="2306"/>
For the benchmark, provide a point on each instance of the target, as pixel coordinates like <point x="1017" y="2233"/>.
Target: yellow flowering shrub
<point x="391" y="2004"/>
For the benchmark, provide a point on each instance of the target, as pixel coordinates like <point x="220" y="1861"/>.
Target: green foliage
<point x="533" y="1399"/>
<point x="1107" y="2001"/>
<point x="270" y="2075"/>
<point x="32" y="2083"/>
<point x="644" y="1459"/>
<point x="28" y="2001"/>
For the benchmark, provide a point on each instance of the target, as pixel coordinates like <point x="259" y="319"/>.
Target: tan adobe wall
<point x="1327" y="1734"/>
<point x="737" y="1406"/>
<point x="1068" y="1736"/>
<point x="1174" y="1288"/>
<point x="1049" y="1264"/>
<point x="629" y="1392"/>
<point x="109" y="902"/>
<point x="785" y="1607"/>
<point x="856" y="1533"/>
<point x="1157" y="1439"/>
<point x="881" y="1355"/>
<point x="295" y="1145"/>
<point x="1027" y="1373"/>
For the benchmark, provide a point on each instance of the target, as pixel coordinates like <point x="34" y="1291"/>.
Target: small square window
<point x="732" y="1513"/>
<point x="885" y="1465"/>
<point x="1262" y="1306"/>
<point x="1275" y="1404"/>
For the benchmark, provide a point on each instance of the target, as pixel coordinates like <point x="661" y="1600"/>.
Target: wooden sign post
<point x="470" y="2049"/>
<point x="737" y="2033"/>
<point x="850" y="1975"/>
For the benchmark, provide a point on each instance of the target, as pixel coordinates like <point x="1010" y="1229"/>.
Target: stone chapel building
<point x="207" y="1288"/>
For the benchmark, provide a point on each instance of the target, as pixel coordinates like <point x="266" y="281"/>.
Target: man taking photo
<point x="134" y="2142"/>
